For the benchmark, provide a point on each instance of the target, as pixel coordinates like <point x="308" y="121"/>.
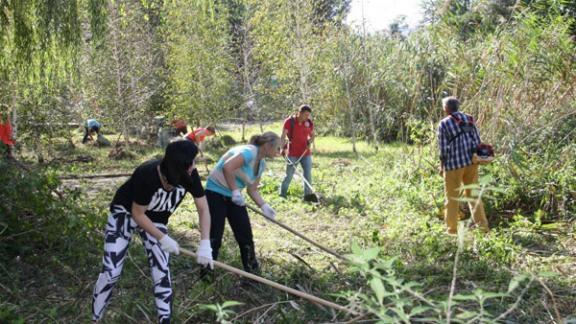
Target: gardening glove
<point x="268" y="211"/>
<point x="204" y="254"/>
<point x="237" y="198"/>
<point x="169" y="245"/>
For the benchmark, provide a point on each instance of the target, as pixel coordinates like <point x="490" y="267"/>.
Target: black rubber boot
<point x="249" y="259"/>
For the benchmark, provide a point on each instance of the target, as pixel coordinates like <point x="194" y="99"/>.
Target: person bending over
<point x="143" y="205"/>
<point x="91" y="126"/>
<point x="241" y="167"/>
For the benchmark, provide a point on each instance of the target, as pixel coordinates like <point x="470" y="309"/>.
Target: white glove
<point x="169" y="245"/>
<point x="268" y="211"/>
<point x="204" y="254"/>
<point x="237" y="198"/>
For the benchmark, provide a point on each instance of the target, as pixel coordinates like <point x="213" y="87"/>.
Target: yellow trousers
<point x="453" y="180"/>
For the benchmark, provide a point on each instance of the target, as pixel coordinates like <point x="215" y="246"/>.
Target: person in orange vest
<point x="6" y="136"/>
<point x="198" y="136"/>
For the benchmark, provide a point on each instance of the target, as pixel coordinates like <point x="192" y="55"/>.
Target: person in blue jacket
<point x="91" y="126"/>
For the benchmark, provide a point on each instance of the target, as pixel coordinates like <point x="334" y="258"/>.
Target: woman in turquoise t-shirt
<point x="241" y="167"/>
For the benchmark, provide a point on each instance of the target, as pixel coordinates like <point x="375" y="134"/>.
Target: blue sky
<point x="380" y="13"/>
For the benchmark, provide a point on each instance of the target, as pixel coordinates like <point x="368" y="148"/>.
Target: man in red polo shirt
<point x="299" y="130"/>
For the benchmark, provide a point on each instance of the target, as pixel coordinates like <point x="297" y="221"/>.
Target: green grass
<point x="390" y="199"/>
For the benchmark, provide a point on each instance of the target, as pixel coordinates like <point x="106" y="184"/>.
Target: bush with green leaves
<point x="537" y="180"/>
<point x="392" y="299"/>
<point x="35" y="216"/>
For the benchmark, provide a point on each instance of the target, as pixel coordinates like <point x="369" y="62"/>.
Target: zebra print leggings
<point x="118" y="234"/>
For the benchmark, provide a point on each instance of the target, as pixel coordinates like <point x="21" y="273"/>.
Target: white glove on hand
<point x="237" y="198"/>
<point x="204" y="254"/>
<point x="268" y="211"/>
<point x="169" y="245"/>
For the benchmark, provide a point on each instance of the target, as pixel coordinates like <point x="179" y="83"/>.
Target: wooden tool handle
<point x="334" y="253"/>
<point x="273" y="284"/>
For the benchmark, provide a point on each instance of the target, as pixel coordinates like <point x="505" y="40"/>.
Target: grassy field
<point x="383" y="206"/>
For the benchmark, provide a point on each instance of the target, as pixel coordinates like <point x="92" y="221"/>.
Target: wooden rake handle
<point x="325" y="249"/>
<point x="312" y="298"/>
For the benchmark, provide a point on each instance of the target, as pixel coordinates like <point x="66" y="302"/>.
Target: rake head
<point x="313" y="198"/>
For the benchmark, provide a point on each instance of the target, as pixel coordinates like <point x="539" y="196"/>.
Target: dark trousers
<point x="88" y="132"/>
<point x="221" y="207"/>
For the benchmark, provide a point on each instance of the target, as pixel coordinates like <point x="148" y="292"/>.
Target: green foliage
<point x="539" y="180"/>
<point x="124" y="81"/>
<point x="9" y="314"/>
<point x="497" y="248"/>
<point x="222" y="311"/>
<point x="34" y="217"/>
<point x="388" y="198"/>
<point x="202" y="87"/>
<point x="510" y="63"/>
<point x="98" y="16"/>
<point x="394" y="300"/>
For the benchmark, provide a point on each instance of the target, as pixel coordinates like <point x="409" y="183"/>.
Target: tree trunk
<point x="244" y="130"/>
<point x="117" y="60"/>
<point x="14" y="115"/>
<point x="351" y="113"/>
<point x="303" y="68"/>
<point x="251" y="99"/>
<point x="368" y="98"/>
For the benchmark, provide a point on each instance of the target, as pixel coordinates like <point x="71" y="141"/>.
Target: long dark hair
<point x="178" y="158"/>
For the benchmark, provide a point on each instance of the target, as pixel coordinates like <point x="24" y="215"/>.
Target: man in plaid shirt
<point x="457" y="137"/>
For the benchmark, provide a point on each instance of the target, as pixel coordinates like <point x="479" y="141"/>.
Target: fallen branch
<point x="297" y="257"/>
<point x="558" y="317"/>
<point x="311" y="298"/>
<point x="94" y="176"/>
<point x="258" y="308"/>
<point x="516" y="303"/>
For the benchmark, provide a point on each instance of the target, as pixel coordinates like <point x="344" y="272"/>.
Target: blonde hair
<point x="267" y="137"/>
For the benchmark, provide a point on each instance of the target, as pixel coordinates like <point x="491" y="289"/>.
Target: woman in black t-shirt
<point x="143" y="204"/>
